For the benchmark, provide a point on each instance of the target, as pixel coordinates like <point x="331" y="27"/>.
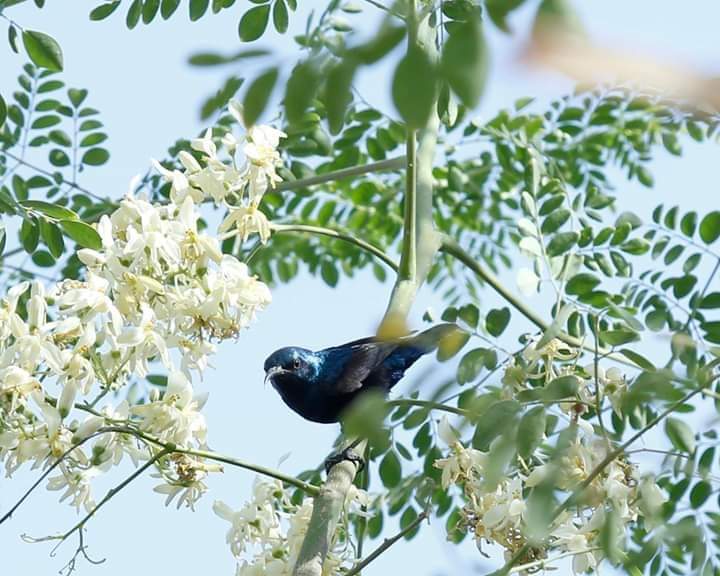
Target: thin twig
<point x="47" y="472"/>
<point x="385" y="9"/>
<point x="541" y="564"/>
<point x="74" y="185"/>
<point x="387" y="543"/>
<point x="430" y="406"/>
<point x="110" y="493"/>
<point x="452" y="247"/>
<point x="345" y="236"/>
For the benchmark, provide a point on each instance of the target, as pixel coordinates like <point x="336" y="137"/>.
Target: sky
<point x="149" y="96"/>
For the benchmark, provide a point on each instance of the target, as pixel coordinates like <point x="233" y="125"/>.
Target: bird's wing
<point x="349" y="365"/>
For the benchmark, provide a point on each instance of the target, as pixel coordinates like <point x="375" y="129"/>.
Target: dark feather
<point x="320" y="385"/>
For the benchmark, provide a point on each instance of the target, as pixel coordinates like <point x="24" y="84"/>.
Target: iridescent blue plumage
<point x="320" y="385"/>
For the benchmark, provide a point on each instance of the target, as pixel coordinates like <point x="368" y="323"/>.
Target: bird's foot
<point x="349" y="454"/>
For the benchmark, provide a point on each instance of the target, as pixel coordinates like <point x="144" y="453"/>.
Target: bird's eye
<point x="296" y="363"/>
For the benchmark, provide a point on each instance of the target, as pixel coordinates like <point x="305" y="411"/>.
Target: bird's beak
<point x="272" y="372"/>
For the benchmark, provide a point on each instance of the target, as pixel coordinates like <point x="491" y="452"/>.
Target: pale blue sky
<point x="149" y="96"/>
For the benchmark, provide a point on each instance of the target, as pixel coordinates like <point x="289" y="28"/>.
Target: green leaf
<point x="60" y="137"/>
<point x="619" y="337"/>
<point x="680" y="434"/>
<point x="43" y="50"/>
<point x="497" y="320"/>
<point x="58" y="158"/>
<point x="12" y="38"/>
<point x="700" y="493"/>
<point x="3" y="238"/>
<point x="473" y="362"/>
<point x="214" y="59"/>
<point x="464" y="61"/>
<point x="83" y="234"/>
<point x="93" y="139"/>
<point x="413" y="87"/>
<point x="710" y="227"/>
<point x="157" y="379"/>
<point x="280" y="16"/>
<point x="29" y="235"/>
<point x="76" y="96"/>
<point x="498" y="11"/>
<point x="638" y="359"/>
<point x="150" y="10"/>
<point x="406" y="519"/>
<point x="712" y="300"/>
<point x="95" y="156"/>
<point x="168" y="8"/>
<point x="52" y="210"/>
<point x="380" y="45"/>
<point x="301" y="89"/>
<point x="531" y="431"/>
<point x="390" y="469"/>
<point x="19" y="188"/>
<point x="644" y="176"/>
<point x="133" y="15"/>
<point x="253" y="23"/>
<point x="257" y="95"/>
<point x="104" y="10"/>
<point x="329" y="273"/>
<point x="45" y="121"/>
<point x="53" y="238"/>
<point x="498" y="417"/>
<point x="688" y="224"/>
<point x="470" y="315"/>
<point x="636" y="246"/>
<point x="43" y="258"/>
<point x="582" y="284"/>
<point x="557" y="389"/>
<point x="3" y="111"/>
<point x="451" y="345"/>
<point x="197" y="9"/>
<point x="338" y="94"/>
<point x="561" y="243"/>
<point x="553" y="222"/>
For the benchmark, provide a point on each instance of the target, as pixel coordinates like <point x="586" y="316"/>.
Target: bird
<point x="321" y="385"/>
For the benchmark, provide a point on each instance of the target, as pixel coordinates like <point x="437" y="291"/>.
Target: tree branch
<point x="427" y="240"/>
<point x="344" y="236"/>
<point x="420" y="243"/>
<point x="306" y="487"/>
<point x="452" y="247"/>
<point x="381" y="166"/>
<point x="325" y="517"/>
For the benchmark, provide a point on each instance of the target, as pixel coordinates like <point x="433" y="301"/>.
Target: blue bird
<point x="321" y="385"/>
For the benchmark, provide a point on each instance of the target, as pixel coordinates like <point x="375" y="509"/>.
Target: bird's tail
<point x="436" y="337"/>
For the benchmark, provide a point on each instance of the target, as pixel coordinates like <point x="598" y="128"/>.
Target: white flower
<point x="205" y="144"/>
<point x="247" y="221"/>
<point x="76" y="483"/>
<point x="527" y="281"/>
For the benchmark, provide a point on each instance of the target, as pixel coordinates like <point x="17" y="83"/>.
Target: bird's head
<point x="289" y="365"/>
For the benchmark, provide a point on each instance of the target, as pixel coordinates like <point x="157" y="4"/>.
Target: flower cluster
<point x="238" y="186"/>
<point x="498" y="514"/>
<point x="613" y="493"/>
<point x="266" y="534"/>
<point x="158" y="289"/>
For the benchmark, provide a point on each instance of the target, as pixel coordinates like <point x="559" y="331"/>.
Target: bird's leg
<point x="348" y="454"/>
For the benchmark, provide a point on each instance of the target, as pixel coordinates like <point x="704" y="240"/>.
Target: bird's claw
<point x="349" y="454"/>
